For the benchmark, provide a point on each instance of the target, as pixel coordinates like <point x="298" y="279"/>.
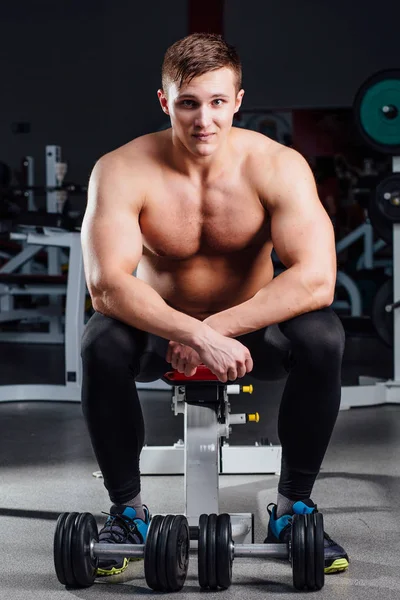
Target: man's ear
<point x="163" y="101"/>
<point x="239" y="99"/>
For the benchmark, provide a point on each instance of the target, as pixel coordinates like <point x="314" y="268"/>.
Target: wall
<point x="311" y="53"/>
<point x="84" y="74"/>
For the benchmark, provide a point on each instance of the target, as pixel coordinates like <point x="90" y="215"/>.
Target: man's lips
<point x="203" y="136"/>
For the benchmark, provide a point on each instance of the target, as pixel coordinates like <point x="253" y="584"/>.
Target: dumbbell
<point x="217" y="550"/>
<point x="165" y="553"/>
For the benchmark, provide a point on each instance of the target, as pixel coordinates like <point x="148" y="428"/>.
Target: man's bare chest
<point x="221" y="219"/>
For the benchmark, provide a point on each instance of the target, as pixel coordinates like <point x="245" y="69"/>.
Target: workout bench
<point x="203" y="400"/>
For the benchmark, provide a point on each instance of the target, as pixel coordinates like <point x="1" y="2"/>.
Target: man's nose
<point x="203" y="117"/>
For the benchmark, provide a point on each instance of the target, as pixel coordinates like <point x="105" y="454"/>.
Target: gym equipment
<point x="378" y="221"/>
<point x="385" y="209"/>
<point x="377" y="111"/>
<point x="73" y="558"/>
<point x="387" y="198"/>
<point x="376" y="114"/>
<point x="217" y="551"/>
<point x="221" y="538"/>
<point x="204" y="402"/>
<point x="382" y="312"/>
<point x="65" y="326"/>
<point x="74" y="289"/>
<point x="166" y="551"/>
<point x="215" y="430"/>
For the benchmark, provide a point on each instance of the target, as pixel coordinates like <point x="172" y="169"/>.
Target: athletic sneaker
<point x="121" y="527"/>
<point x="279" y="531"/>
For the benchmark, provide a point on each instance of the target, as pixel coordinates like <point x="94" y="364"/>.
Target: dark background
<point x="84" y="74"/>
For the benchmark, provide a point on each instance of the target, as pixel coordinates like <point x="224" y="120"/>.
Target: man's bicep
<point x="300" y="227"/>
<point x="301" y="233"/>
<point x="111" y="245"/>
<point x="111" y="235"/>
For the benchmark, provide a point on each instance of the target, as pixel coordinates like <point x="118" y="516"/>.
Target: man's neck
<point x="199" y="168"/>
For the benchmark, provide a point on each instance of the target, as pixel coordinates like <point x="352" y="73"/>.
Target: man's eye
<point x="218" y="101"/>
<point x="187" y="102"/>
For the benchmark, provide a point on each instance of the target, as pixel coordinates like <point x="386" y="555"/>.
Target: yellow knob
<point x="247" y="389"/>
<point x="255" y="418"/>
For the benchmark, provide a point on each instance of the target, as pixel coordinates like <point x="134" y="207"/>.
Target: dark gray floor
<point x="47" y="465"/>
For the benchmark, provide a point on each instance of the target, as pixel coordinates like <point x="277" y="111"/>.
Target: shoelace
<point x="119" y="530"/>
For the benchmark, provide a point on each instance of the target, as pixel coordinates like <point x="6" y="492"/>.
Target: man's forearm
<point x="286" y="296"/>
<point x="137" y="304"/>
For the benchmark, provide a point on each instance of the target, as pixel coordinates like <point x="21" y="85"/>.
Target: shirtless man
<point x="197" y="209"/>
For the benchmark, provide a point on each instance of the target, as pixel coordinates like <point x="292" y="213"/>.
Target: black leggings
<point x="308" y="347"/>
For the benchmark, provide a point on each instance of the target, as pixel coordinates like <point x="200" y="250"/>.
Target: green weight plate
<point x="224" y="551"/>
<point x="380" y="112"/>
<point x="299" y="552"/>
<point x="202" y="552"/>
<point x="83" y="564"/>
<point x="318" y="521"/>
<point x="57" y="548"/>
<point x="377" y="111"/>
<point x="150" y="553"/>
<point x="177" y="559"/>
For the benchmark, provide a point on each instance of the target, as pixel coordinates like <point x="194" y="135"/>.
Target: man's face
<point x="202" y="110"/>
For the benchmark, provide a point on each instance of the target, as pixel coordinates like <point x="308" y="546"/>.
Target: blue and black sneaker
<point x="279" y="531"/>
<point x="121" y="527"/>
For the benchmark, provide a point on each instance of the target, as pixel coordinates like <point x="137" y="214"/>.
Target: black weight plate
<point x="212" y="551"/>
<point x="67" y="549"/>
<point x="382" y="226"/>
<point x="319" y="550"/>
<point x="178" y="553"/>
<point x="57" y="548"/>
<point x="150" y="553"/>
<point x="161" y="560"/>
<point x="202" y="552"/>
<point x="388" y="207"/>
<point x="382" y="320"/>
<point x="310" y="552"/>
<point x="83" y="564"/>
<point x="299" y="551"/>
<point x="224" y="551"/>
<point x="377" y="111"/>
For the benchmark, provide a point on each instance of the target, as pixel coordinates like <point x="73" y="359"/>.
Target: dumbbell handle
<point x="261" y="550"/>
<point x="391" y="307"/>
<point x="128" y="550"/>
<point x="240" y="550"/>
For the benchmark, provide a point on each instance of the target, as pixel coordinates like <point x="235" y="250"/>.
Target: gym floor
<point x="47" y="466"/>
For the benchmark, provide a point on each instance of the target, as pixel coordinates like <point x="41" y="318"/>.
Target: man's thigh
<point x="153" y="364"/>
<point x="270" y="351"/>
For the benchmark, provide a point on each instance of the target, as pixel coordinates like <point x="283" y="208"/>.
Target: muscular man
<point x="197" y="209"/>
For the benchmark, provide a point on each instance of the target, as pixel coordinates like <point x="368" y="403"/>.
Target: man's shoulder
<point x="144" y="146"/>
<point x="136" y="156"/>
<point x="259" y="146"/>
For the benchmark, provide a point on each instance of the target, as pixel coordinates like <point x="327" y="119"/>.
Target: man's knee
<point x="317" y="336"/>
<point x="106" y="339"/>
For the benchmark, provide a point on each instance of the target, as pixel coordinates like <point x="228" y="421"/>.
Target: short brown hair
<point x="197" y="54"/>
